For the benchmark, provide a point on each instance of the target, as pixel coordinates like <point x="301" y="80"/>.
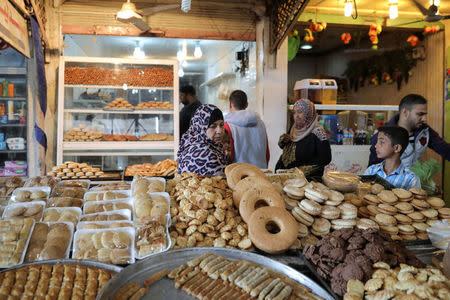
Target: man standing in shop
<point x="413" y="116"/>
<point x="190" y="102"/>
<point x="248" y="137"/>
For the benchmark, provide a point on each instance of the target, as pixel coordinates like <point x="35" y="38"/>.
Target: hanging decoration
<point x="413" y="40"/>
<point x="293" y="44"/>
<point x="346" y="38"/>
<point x="431" y="29"/>
<point x="3" y="45"/>
<point x="309" y="37"/>
<point x="374" y="31"/>
<point x="318" y="27"/>
<point x="388" y="67"/>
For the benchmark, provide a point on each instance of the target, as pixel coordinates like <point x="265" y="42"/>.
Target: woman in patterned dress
<point x="201" y="149"/>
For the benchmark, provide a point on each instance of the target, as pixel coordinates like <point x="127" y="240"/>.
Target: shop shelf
<point x="12" y="71"/>
<point x="122" y="112"/>
<point x="139" y="145"/>
<point x="130" y="87"/>
<point x="13" y="98"/>
<point x="353" y="107"/>
<point x="13" y="151"/>
<point x="13" y="125"/>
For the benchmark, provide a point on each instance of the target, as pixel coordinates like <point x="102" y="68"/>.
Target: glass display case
<point x="117" y="112"/>
<point x="13" y="121"/>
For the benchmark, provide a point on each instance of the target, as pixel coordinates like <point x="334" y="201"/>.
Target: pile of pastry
<point x="14" y="235"/>
<point x="82" y="133"/>
<point x="54" y="282"/>
<point x="151" y="211"/>
<point x="402" y="282"/>
<point x="203" y="215"/>
<point x="405" y="215"/>
<point x="119" y="104"/>
<point x="154" y="104"/>
<point x="73" y="170"/>
<point x="212" y="276"/>
<point x="164" y="168"/>
<point x="156" y="137"/>
<point x="9" y="184"/>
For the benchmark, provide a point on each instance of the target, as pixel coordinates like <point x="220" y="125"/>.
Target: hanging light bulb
<point x="436" y="3"/>
<point x="138" y="53"/>
<point x="180" y="72"/>
<point x="393" y="9"/>
<point x="184" y="64"/>
<point x="186" y="5"/>
<point x="348" y="8"/>
<point x="180" y="55"/>
<point x="184" y="48"/>
<point x="198" y="51"/>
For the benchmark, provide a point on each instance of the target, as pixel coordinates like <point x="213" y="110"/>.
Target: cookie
<point x="302" y="217"/>
<point x="373" y="284"/>
<point x="406" y="229"/>
<point x="320" y="226"/>
<point x="402" y="194"/>
<point x="420" y="204"/>
<point x="330" y="212"/>
<point x="387" y="197"/>
<point x="122" y="240"/>
<point x="373" y="210"/>
<point x="348" y="211"/>
<point x="376" y="188"/>
<point x="402" y="219"/>
<point x="420" y="227"/>
<point x="435" y="202"/>
<point x="385" y="220"/>
<point x="387" y="209"/>
<point x="364" y="223"/>
<point x="430" y="213"/>
<point x="417" y="216"/>
<point x="404" y="207"/>
<point x="311" y="207"/>
<point x="371" y="199"/>
<point x="389" y="229"/>
<point x="107" y="240"/>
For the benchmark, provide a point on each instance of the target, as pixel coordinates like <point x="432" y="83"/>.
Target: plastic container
<point x="42" y="181"/>
<point x="102" y="206"/>
<point x="69" y="243"/>
<point x="92" y="195"/>
<point x="144" y="250"/>
<point x="16" y="196"/>
<point x="82" y="183"/>
<point x="22" y="210"/>
<point x="16" y="140"/>
<point x="150" y="180"/>
<point x="163" y="194"/>
<point x="20" y="243"/>
<point x="48" y="215"/>
<point x="88" y="238"/>
<point x="115" y="215"/>
<point x="16" y="146"/>
<point x="65" y="202"/>
<point x="112" y="186"/>
<point x="74" y="192"/>
<point x="105" y="224"/>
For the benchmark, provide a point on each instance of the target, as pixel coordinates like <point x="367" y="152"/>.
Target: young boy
<point x="392" y="141"/>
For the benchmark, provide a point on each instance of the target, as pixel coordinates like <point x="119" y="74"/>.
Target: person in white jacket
<point x="248" y="137"/>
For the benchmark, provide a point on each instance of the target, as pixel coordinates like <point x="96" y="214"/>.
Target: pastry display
<point x="73" y="170"/>
<point x="30" y="194"/>
<point x="203" y="213"/>
<point x="164" y="168"/>
<point x="76" y="183"/>
<point x="62" y="214"/>
<point x="49" y="241"/>
<point x="156" y="137"/>
<point x="403" y="282"/>
<point x="65" y="202"/>
<point x="25" y="210"/>
<point x="151" y="205"/>
<point x="108" y="195"/>
<point x="37" y="181"/>
<point x="119" y="104"/>
<point x="350" y="253"/>
<point x="151" y="236"/>
<point x="73" y="192"/>
<point x="53" y="282"/>
<point x="399" y="212"/>
<point x="108" y="246"/>
<point x="155" y="104"/>
<point x="9" y="184"/>
<point x="107" y="216"/>
<point x="142" y="185"/>
<point x="212" y="276"/>
<point x="14" y="235"/>
<point x="113" y="186"/>
<point x="148" y="77"/>
<point x="104" y="224"/>
<point x="82" y="133"/>
<point x="103" y="206"/>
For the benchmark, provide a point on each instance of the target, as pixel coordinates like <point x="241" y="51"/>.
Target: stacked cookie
<point x="405" y="215"/>
<point x="119" y="103"/>
<point x="73" y="170"/>
<point x="82" y="133"/>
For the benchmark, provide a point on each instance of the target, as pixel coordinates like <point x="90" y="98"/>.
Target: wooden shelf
<point x="122" y="112"/>
<point x="121" y="87"/>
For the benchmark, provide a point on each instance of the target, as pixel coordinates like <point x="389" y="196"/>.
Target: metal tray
<point x="111" y="268"/>
<point x="165" y="287"/>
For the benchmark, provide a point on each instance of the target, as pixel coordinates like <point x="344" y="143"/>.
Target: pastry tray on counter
<point x="111" y="268"/>
<point x="143" y="269"/>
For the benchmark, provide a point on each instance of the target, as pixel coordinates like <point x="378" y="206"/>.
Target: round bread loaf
<point x="240" y="172"/>
<point x="255" y="183"/>
<point x="341" y="181"/>
<point x="252" y="199"/>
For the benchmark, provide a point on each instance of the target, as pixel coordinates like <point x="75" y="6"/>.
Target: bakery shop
<point x="224" y="150"/>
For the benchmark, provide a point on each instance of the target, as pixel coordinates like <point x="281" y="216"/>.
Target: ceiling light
<point x="435" y="2"/>
<point x="127" y="11"/>
<point x="198" y="51"/>
<point x="393" y="9"/>
<point x="180" y="72"/>
<point x="184" y="64"/>
<point x="138" y="53"/>
<point x="348" y="8"/>
<point x="186" y="5"/>
<point x="184" y="48"/>
<point x="180" y="55"/>
<point x="306" y="47"/>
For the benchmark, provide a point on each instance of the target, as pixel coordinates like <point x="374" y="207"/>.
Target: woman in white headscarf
<point x="307" y="143"/>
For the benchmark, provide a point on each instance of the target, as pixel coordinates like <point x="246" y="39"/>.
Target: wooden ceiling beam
<point x="58" y="3"/>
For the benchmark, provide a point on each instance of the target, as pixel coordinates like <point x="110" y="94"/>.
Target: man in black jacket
<point x="190" y="102"/>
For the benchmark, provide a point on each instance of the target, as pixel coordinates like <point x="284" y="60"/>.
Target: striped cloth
<point x="400" y="178"/>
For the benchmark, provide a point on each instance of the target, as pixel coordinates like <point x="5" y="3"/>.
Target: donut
<point x="252" y="198"/>
<point x="240" y="172"/>
<point x="279" y="218"/>
<point x="253" y="183"/>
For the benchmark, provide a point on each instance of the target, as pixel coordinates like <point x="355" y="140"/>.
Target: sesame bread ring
<point x="230" y="167"/>
<point x="249" y="183"/>
<point x="240" y="172"/>
<point x="252" y="200"/>
<point x="285" y="233"/>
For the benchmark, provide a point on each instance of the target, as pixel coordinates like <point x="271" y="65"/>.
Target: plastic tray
<point x="112" y="186"/>
<point x="45" y="189"/>
<point x="89" y="204"/>
<point x="63" y="201"/>
<point x="126" y="192"/>
<point x="150" y="179"/>
<point x="25" y="204"/>
<point x="128" y="230"/>
<point x="30" y="181"/>
<point x="59" y="191"/>
<point x="124" y="212"/>
<point x="106" y="224"/>
<point x="168" y="239"/>
<point x="24" y="251"/>
<point x="83" y="183"/>
<point x="77" y="210"/>
<point x="163" y="194"/>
